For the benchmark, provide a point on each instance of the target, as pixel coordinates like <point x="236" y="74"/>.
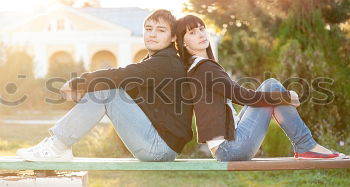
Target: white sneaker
<point x="22" y="151"/>
<point x="46" y="151"/>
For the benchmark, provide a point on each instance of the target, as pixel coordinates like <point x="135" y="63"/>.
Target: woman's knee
<point x="270" y="81"/>
<point x="271" y="84"/>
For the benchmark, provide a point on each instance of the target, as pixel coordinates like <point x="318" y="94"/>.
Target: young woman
<point x="232" y="137"/>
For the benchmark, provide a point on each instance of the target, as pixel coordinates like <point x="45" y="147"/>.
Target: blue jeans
<point x="253" y="125"/>
<point x="132" y="125"/>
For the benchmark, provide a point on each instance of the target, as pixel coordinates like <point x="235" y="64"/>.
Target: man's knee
<point x="103" y="96"/>
<point x="156" y="157"/>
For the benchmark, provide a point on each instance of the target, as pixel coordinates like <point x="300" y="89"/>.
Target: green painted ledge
<point x="15" y="163"/>
<point x="120" y="164"/>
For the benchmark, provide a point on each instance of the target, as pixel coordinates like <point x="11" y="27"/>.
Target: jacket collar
<point x="169" y="49"/>
<point x="195" y="61"/>
<point x="198" y="61"/>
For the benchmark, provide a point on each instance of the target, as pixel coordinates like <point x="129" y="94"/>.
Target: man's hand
<point x="294" y="98"/>
<point x="69" y="94"/>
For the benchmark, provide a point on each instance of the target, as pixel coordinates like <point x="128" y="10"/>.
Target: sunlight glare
<point x="19" y="5"/>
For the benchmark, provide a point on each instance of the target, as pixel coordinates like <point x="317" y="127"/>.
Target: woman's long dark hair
<point x="182" y="25"/>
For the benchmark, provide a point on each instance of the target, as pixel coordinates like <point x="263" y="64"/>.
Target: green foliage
<point x="102" y="141"/>
<point x="335" y="11"/>
<point x="17" y="81"/>
<point x="291" y="39"/>
<point x="65" y="70"/>
<point x="17" y="77"/>
<point x="8" y="145"/>
<point x="276" y="143"/>
<point x="192" y="148"/>
<point x="234" y="15"/>
<point x="307" y="50"/>
<point x="330" y="139"/>
<point x="240" y="52"/>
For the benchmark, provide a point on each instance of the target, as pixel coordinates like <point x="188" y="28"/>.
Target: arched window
<point x="62" y="65"/>
<point x="140" y="55"/>
<point x="102" y="60"/>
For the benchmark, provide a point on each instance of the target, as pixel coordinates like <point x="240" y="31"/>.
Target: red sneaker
<point x="314" y="155"/>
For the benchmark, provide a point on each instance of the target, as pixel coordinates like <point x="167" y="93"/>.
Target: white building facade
<point x="96" y="37"/>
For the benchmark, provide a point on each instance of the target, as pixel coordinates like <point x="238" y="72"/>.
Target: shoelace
<point x="44" y="148"/>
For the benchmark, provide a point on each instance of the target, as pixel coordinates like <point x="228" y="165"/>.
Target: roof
<point x="131" y="18"/>
<point x="10" y="18"/>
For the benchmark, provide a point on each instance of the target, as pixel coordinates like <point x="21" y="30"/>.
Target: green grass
<point x="102" y="142"/>
<point x="222" y="178"/>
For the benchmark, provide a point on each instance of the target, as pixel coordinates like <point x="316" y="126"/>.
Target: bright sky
<point x="30" y="5"/>
<point x="174" y="5"/>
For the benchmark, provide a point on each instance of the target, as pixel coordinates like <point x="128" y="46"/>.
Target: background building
<point x="96" y="37"/>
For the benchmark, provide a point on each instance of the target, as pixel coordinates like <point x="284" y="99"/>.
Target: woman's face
<point x="196" y="40"/>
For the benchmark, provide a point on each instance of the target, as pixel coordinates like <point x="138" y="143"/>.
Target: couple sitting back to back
<point x="151" y="103"/>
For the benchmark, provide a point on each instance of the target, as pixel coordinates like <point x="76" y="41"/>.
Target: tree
<point x="289" y="38"/>
<point x="17" y="78"/>
<point x="248" y="27"/>
<point x="306" y="48"/>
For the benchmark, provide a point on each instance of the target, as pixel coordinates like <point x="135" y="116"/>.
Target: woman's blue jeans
<point x="254" y="123"/>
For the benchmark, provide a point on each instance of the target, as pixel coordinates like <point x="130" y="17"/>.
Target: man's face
<point x="157" y="35"/>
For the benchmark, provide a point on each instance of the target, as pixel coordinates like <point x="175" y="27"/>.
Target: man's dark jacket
<point x="158" y="85"/>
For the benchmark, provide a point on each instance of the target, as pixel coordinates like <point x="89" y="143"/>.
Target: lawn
<point x="99" y="143"/>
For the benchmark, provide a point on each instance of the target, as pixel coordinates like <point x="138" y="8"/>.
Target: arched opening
<point x="140" y="55"/>
<point x="61" y="64"/>
<point x="103" y="60"/>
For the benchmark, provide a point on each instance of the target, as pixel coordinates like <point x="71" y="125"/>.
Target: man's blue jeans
<point x="132" y="125"/>
<point x="253" y="125"/>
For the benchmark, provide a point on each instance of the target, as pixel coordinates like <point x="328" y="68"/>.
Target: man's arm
<point x="129" y="77"/>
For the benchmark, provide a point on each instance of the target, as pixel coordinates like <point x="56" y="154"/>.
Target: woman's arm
<point x="216" y="80"/>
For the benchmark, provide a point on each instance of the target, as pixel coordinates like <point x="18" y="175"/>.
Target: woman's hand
<point x="69" y="94"/>
<point x="294" y="98"/>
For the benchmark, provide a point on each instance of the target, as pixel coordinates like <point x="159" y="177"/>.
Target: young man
<point x="144" y="101"/>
